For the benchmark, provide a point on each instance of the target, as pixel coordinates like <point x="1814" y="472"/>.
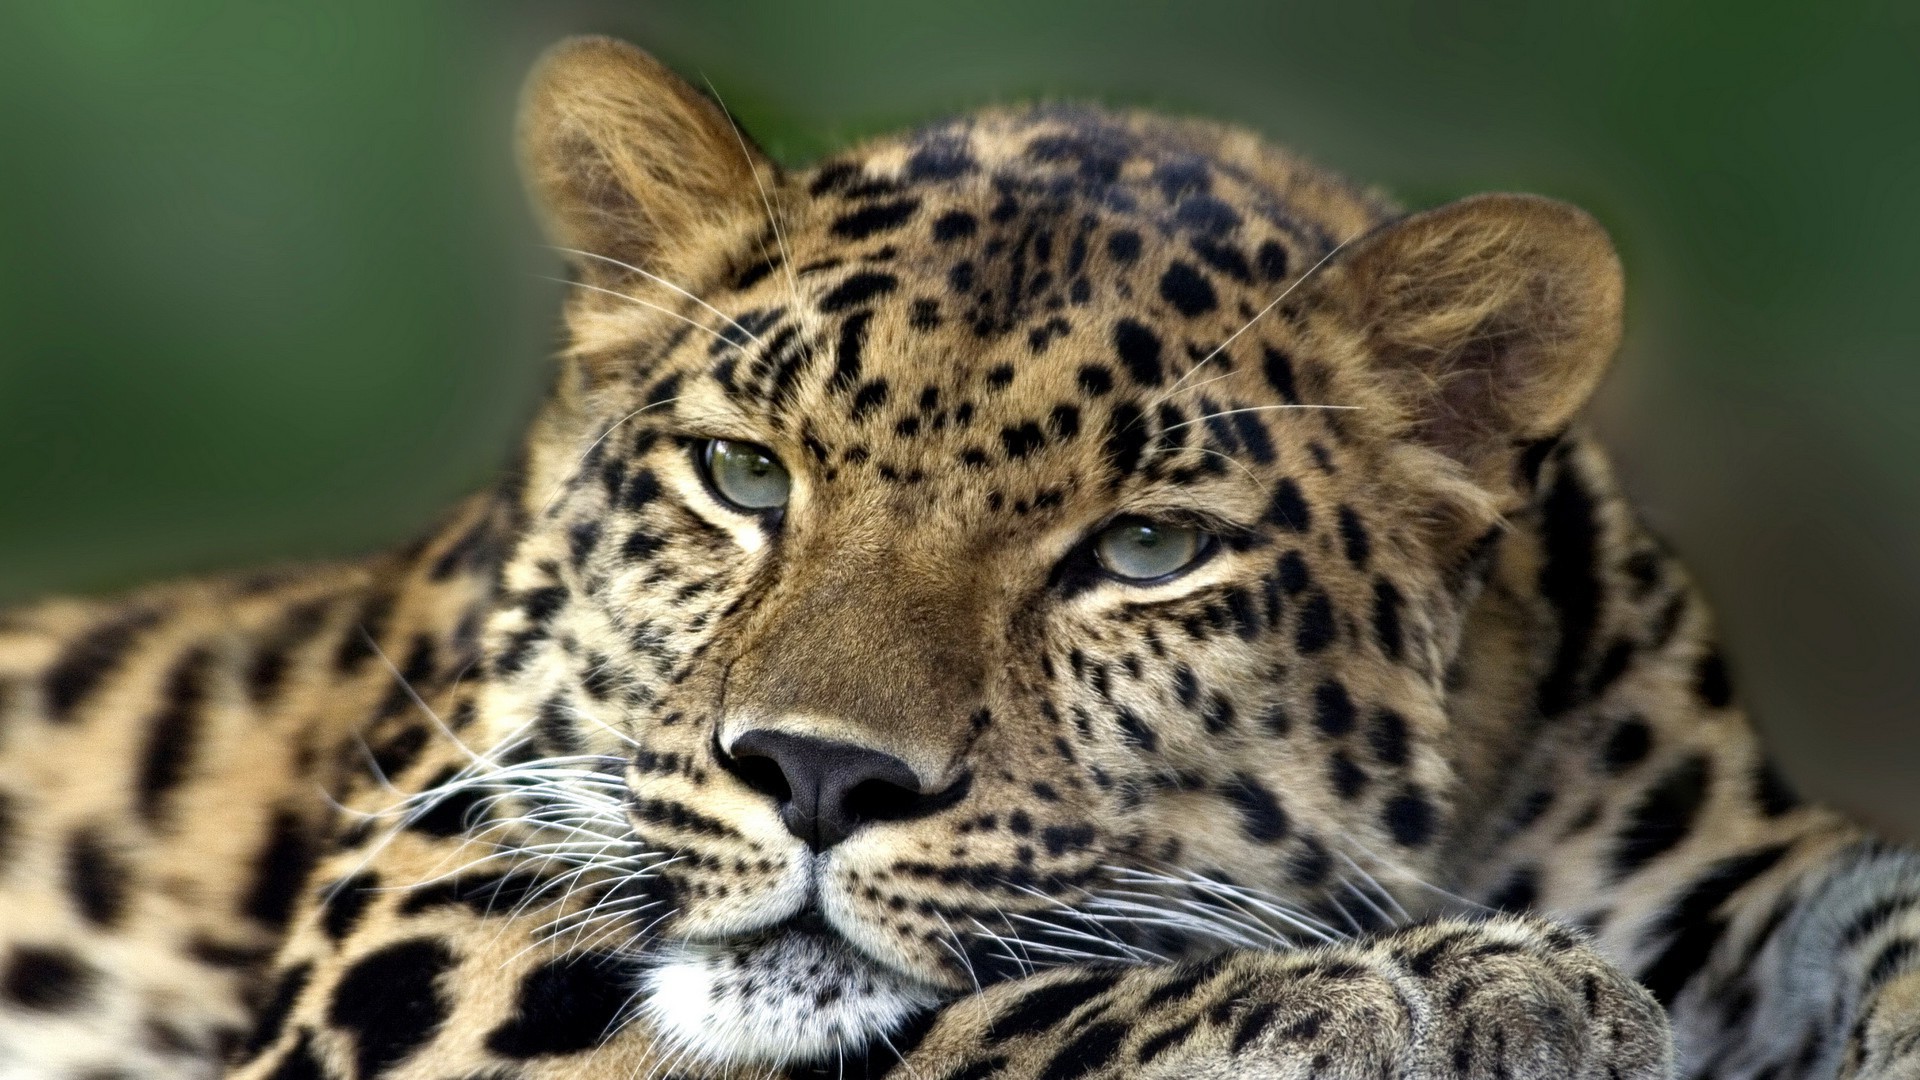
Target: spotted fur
<point x="1429" y="766"/>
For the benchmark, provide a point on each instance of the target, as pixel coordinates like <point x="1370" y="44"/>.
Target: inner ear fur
<point x="628" y="161"/>
<point x="1489" y="320"/>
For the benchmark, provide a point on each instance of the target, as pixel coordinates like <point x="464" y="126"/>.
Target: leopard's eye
<point x="745" y="475"/>
<point x="1138" y="550"/>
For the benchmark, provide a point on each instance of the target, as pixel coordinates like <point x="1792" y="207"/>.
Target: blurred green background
<point x="267" y="290"/>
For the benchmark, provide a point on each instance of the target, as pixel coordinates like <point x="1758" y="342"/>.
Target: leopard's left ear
<point x="1490" y="320"/>
<point x="628" y="161"/>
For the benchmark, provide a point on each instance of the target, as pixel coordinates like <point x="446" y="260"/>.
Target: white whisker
<point x="658" y="280"/>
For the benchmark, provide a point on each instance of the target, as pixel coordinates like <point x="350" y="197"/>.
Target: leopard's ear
<point x="628" y="161"/>
<point x="1491" y="320"/>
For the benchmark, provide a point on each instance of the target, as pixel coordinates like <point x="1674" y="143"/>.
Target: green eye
<point x="1135" y="550"/>
<point x="747" y="476"/>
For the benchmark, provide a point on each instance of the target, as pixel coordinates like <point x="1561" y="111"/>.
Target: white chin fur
<point x="777" y="1001"/>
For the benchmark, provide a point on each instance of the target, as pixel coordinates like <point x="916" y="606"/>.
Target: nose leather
<point x="820" y="778"/>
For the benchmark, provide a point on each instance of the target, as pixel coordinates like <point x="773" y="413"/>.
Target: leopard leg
<point x="1504" y="998"/>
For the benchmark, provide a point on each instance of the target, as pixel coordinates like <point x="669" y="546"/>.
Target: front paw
<point x="1504" y="998"/>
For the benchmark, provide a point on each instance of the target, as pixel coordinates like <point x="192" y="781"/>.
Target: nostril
<point x="758" y="771"/>
<point x="879" y="800"/>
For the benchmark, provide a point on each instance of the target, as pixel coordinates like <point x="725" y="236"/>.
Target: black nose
<point x="827" y="790"/>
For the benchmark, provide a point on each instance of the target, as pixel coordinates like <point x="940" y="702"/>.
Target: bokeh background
<point x="267" y="290"/>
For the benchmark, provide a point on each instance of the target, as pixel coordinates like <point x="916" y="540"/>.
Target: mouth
<point x="796" y="993"/>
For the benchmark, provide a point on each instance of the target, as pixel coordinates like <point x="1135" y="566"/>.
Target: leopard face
<point x="925" y="550"/>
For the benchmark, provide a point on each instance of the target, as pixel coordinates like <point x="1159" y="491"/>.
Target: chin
<point x="789" y="996"/>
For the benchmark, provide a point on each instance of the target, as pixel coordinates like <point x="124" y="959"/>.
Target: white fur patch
<point x="780" y="1000"/>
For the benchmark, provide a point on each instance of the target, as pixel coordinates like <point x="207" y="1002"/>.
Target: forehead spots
<point x="1139" y="352"/>
<point x="1188" y="290"/>
<point x="954" y="225"/>
<point x="858" y="289"/>
<point x="874" y="218"/>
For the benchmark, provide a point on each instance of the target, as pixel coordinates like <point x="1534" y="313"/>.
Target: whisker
<point x="1260" y="408"/>
<point x="1275" y="302"/>
<point x="658" y="280"/>
<point x="575" y="472"/>
<point x="695" y="323"/>
<point x="779" y="239"/>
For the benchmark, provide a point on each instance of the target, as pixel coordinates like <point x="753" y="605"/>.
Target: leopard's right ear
<point x="627" y="161"/>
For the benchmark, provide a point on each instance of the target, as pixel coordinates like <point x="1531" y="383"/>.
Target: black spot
<point x="875" y="217"/>
<point x="273" y="1015"/>
<point x="954" y="225"/>
<point x="1253" y="435"/>
<point x="752" y="275"/>
<point x="1225" y="258"/>
<point x="1386" y="617"/>
<point x="1187" y="290"/>
<point x="582" y="538"/>
<point x="1388" y="738"/>
<point x="1519" y="893"/>
<point x="1000" y="377"/>
<point x="343" y="902"/>
<point x="279" y="869"/>
<point x="1353" y="535"/>
<point x="1409" y="817"/>
<point x="568" y="1004"/>
<point x="1261" y="817"/>
<point x="871" y="396"/>
<point x="1272" y="260"/>
<point x="1137" y="731"/>
<point x="1089" y="1051"/>
<point x="1139" y="352"/>
<point x="1288" y="509"/>
<point x="97" y="878"/>
<point x="1568" y="582"/>
<point x="834" y="176"/>
<point x="1333" y="709"/>
<point x="857" y="290"/>
<point x="1022" y="440"/>
<point x="1627" y="746"/>
<point x="642" y="488"/>
<point x="924" y="315"/>
<point x="1096" y="379"/>
<point x="1316" y="629"/>
<point x="1207" y="215"/>
<point x="1159" y="1044"/>
<point x="1664" y="815"/>
<point x="269" y="666"/>
<point x="485" y="895"/>
<point x="1126" y="439"/>
<point x="365" y="629"/>
<point x="90" y="658"/>
<point x="846" y="361"/>
<point x="1064" y="421"/>
<point x="1279" y="371"/>
<point x="1895" y="958"/>
<point x="1048" y="1005"/>
<point x="390" y="1002"/>
<point x="1693" y="925"/>
<point x="1292" y="571"/>
<point x="1710" y="680"/>
<point x="46" y="979"/>
<point x="1347" y="778"/>
<point x="1124" y="245"/>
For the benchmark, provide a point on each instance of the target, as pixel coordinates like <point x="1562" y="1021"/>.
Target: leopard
<point x="1059" y="592"/>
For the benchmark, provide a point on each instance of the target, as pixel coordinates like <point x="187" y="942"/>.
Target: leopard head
<point x="948" y="551"/>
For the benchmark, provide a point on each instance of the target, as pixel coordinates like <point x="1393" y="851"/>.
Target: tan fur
<point x="1430" y="666"/>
